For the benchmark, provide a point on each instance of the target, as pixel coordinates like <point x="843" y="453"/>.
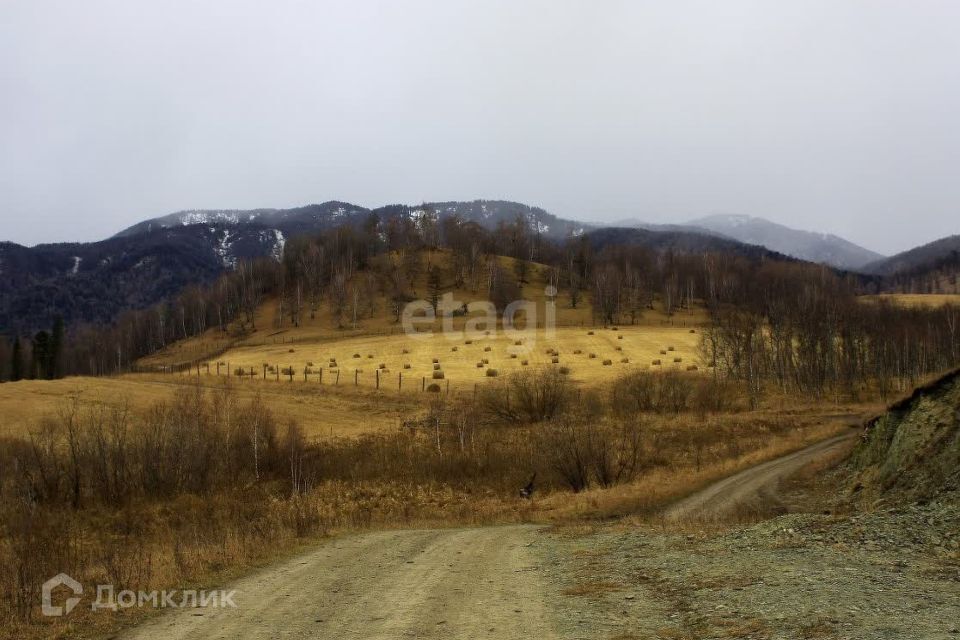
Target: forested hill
<point x="94" y="282"/>
<point x="150" y="261"/>
<point x="315" y="218"/>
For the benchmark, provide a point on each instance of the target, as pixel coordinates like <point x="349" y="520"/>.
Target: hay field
<point x="915" y="299"/>
<point x="320" y="413"/>
<point x="273" y="328"/>
<point x="404" y="361"/>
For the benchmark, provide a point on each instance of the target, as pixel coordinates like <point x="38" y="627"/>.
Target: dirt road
<point x="454" y="583"/>
<point x="448" y="583"/>
<point x="754" y="484"/>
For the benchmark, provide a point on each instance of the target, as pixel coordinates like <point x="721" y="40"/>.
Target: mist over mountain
<point x="811" y="246"/>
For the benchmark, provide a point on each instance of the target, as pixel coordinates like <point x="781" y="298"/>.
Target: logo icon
<point x="64" y="580"/>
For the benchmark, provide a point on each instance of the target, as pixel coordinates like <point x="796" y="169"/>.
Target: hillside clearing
<point x="345" y="412"/>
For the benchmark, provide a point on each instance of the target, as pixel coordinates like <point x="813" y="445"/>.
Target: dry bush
<point x="670" y="392"/>
<point x="492" y="373"/>
<point x="438" y="375"/>
<point x="583" y="451"/>
<point x="530" y="396"/>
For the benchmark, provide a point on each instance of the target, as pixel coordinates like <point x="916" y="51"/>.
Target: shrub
<point x="436" y="360"/>
<point x="383" y="365"/>
<point x="668" y="392"/>
<point x="518" y="342"/>
<point x="692" y="367"/>
<point x="589" y="333"/>
<point x="524" y="362"/>
<point x="486" y="348"/>
<point x="356" y="355"/>
<point x="678" y="359"/>
<point x="370" y="356"/>
<point x="607" y="363"/>
<point x="663" y="352"/>
<point x="453" y="348"/>
<point x="287" y="371"/>
<point x="433" y="387"/>
<point x="620" y="337"/>
<point x="624" y="360"/>
<point x="584" y="451"/>
<point x="438" y="375"/>
<point x="309" y="364"/>
<point x="564" y="371"/>
<point x="492" y="373"/>
<point x="468" y="342"/>
<point x="656" y="363"/>
<point x="530" y="396"/>
<point x="592" y="355"/>
<point x="693" y="330"/>
<point x="289" y="350"/>
<point x="480" y="365"/>
<point x="406" y="366"/>
<point x="619" y="348"/>
<point x="669" y="348"/>
<point x="406" y="351"/>
<point x="513" y="356"/>
<point x="555" y="360"/>
<point x="577" y="352"/>
<point x="486" y="361"/>
<point x="436" y="367"/>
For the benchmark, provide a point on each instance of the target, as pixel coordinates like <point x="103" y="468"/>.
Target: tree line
<point x="790" y="324"/>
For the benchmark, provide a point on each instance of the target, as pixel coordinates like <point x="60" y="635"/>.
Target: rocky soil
<point x="888" y="574"/>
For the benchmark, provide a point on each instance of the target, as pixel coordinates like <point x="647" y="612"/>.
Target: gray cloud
<point x="827" y="115"/>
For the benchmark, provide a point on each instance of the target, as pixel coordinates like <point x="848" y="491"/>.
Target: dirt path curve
<point x="753" y="484"/>
<point x="447" y="583"/>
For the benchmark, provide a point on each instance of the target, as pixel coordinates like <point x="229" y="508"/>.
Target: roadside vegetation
<point x="208" y="481"/>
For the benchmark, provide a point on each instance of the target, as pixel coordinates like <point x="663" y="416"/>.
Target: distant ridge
<point x="823" y="248"/>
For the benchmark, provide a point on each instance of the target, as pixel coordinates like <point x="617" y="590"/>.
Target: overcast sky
<point x="835" y="116"/>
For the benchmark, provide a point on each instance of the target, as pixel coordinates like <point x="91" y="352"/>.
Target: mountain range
<point x="823" y="248"/>
<point x="151" y="260"/>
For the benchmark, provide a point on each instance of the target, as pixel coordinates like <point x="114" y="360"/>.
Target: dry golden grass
<point x="641" y="345"/>
<point x="274" y="330"/>
<point x="915" y="299"/>
<point x="320" y="412"/>
<point x="641" y="500"/>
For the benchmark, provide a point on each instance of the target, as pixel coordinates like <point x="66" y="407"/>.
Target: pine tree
<point x="56" y="349"/>
<point x="40" y="359"/>
<point x="16" y="364"/>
